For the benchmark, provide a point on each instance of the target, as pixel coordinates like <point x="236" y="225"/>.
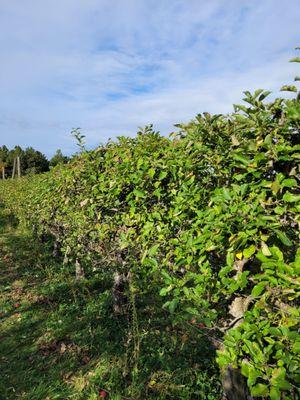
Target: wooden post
<point x="14" y="169"/>
<point x="2" y="169"/>
<point x="19" y="167"/>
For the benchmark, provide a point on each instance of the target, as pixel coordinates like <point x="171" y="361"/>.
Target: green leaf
<point x="288" y="88"/>
<point x="258" y="289"/>
<point x="264" y="95"/>
<point x="167" y="277"/>
<point x="245" y="368"/>
<point x="259" y="390"/>
<point x="278" y="379"/>
<point x="296" y="59"/>
<point x="269" y="340"/>
<point x="192" y="311"/>
<point x="163" y="292"/>
<point x="283" y="238"/>
<point x="186" y="291"/>
<point x="139" y="193"/>
<point x="172" y="305"/>
<point x="291" y="198"/>
<point x="162" y="175"/>
<point x="153" y="250"/>
<point x="249" y="251"/>
<point x="296" y="347"/>
<point x="253" y="375"/>
<point x="290" y="182"/>
<point x="276" y="253"/>
<point x="241" y="159"/>
<point x="226" y="194"/>
<point x="151" y="172"/>
<point x="257" y="93"/>
<point x="275" y="393"/>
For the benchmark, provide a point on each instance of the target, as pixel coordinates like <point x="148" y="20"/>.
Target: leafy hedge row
<point x="209" y="217"/>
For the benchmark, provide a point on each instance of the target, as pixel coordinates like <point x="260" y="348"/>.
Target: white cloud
<point x="110" y="66"/>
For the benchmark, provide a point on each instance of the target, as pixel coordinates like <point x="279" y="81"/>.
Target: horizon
<point x="109" y="69"/>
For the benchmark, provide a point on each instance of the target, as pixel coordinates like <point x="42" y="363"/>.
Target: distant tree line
<point x="31" y="161"/>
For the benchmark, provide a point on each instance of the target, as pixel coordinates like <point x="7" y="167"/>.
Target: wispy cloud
<point x="110" y="66"/>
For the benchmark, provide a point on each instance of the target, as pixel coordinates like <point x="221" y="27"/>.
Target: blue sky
<point x="112" y="66"/>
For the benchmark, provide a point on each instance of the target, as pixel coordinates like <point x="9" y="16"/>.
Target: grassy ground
<point x="60" y="340"/>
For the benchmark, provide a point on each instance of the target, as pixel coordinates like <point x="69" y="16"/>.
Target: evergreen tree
<point x="58" y="158"/>
<point x="31" y="160"/>
<point x="34" y="162"/>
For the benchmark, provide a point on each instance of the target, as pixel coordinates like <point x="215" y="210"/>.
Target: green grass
<point x="60" y="340"/>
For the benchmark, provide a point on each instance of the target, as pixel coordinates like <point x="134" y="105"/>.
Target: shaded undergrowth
<point x="60" y="340"/>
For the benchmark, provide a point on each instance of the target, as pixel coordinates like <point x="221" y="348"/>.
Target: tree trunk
<point x="79" y="271"/>
<point x="56" y="248"/>
<point x="66" y="256"/>
<point x="118" y="293"/>
<point x="234" y="385"/>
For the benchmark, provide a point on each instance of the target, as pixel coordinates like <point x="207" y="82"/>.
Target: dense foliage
<point x="209" y="218"/>
<point x="31" y="161"/>
<point x="58" y="158"/>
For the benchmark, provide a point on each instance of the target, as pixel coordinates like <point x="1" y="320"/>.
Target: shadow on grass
<point x="46" y="333"/>
<point x="60" y="339"/>
<point x="43" y="348"/>
<point x="7" y="221"/>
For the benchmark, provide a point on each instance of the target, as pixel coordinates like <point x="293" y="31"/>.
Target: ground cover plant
<point x="197" y="234"/>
